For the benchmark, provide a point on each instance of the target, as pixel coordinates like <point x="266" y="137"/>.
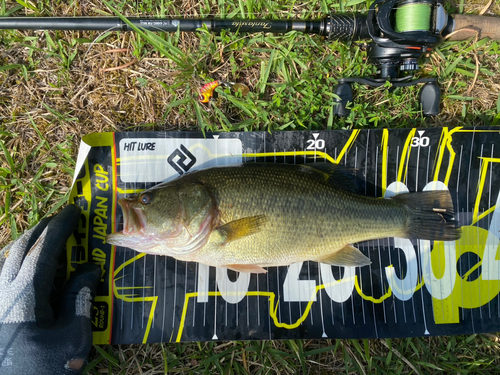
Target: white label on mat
<point x="155" y="160"/>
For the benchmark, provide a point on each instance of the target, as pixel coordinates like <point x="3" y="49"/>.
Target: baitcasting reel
<point x="401" y="31"/>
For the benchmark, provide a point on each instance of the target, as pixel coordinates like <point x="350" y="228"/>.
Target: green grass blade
<point x="7" y="155"/>
<point x="26" y="5"/>
<point x="264" y="74"/>
<point x="106" y="355"/>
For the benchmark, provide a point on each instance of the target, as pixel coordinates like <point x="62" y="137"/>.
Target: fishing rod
<point x="400" y="32"/>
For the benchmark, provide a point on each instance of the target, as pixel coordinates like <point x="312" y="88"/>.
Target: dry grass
<point x="99" y="100"/>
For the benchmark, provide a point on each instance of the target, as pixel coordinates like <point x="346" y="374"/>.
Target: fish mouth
<point x="134" y="228"/>
<point x="177" y="240"/>
<point x="134" y="219"/>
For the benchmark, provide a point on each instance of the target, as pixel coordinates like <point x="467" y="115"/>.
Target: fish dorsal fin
<point x="348" y="256"/>
<point x="246" y="268"/>
<point x="236" y="229"/>
<point x="323" y="166"/>
<point x="340" y="176"/>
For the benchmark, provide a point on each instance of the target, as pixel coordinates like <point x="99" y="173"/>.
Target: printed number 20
<point x="420" y="141"/>
<point x="315" y="144"/>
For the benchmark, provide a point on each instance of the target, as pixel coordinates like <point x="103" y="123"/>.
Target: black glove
<point x="32" y="340"/>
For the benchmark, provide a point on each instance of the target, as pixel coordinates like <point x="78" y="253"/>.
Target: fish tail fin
<point x="430" y="215"/>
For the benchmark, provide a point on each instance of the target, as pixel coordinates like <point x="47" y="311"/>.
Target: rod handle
<point x="346" y="27"/>
<point x="467" y="25"/>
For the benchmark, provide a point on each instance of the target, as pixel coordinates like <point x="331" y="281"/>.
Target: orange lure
<point x="207" y="91"/>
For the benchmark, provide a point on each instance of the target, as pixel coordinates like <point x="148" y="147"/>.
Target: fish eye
<point x="146" y="198"/>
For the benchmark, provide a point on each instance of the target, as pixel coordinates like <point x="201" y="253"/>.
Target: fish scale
<point x="298" y="204"/>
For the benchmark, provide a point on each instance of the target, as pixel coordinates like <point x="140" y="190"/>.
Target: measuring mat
<point x="412" y="287"/>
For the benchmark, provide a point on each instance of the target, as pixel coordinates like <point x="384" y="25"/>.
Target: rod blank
<point x="156" y="24"/>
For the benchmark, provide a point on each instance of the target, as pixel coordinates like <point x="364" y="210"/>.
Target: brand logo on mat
<point x="181" y="160"/>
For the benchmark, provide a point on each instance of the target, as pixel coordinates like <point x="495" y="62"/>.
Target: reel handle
<point x="486" y="26"/>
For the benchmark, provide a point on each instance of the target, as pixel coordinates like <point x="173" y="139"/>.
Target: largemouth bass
<point x="257" y="215"/>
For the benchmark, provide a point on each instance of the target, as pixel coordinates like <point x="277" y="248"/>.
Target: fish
<point x="251" y="216"/>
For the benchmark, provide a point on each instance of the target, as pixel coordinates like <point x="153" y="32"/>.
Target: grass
<point x="456" y="354"/>
<point x="57" y="86"/>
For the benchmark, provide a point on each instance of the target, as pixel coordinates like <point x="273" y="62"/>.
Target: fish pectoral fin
<point x="246" y="268"/>
<point x="348" y="256"/>
<point x="236" y="229"/>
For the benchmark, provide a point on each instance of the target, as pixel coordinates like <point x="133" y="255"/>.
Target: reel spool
<point x="412" y="16"/>
<point x="401" y="32"/>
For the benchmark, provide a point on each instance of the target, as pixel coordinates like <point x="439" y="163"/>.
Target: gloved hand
<point x="34" y="339"/>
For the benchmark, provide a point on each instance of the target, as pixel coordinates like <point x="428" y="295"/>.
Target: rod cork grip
<point x="466" y="27"/>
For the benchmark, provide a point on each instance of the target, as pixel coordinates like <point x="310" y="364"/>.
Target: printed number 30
<point x="420" y="141"/>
